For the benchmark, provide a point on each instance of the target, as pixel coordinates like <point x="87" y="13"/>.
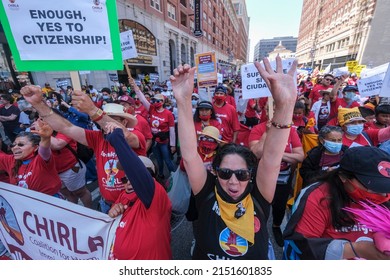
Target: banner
<point x="253" y="85"/>
<point x="46" y="35"/>
<point x="371" y="80"/>
<point x="206" y="68"/>
<point x="36" y="226"/>
<point x="127" y="45"/>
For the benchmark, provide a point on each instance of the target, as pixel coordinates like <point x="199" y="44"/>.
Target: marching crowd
<point x="313" y="152"/>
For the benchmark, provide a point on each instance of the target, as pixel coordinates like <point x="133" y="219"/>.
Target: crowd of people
<point x="319" y="147"/>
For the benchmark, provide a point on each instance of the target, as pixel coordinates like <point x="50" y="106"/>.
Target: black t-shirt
<point x="10" y="125"/>
<point x="212" y="235"/>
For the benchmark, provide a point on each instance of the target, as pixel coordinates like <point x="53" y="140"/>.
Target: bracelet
<point x="50" y="113"/>
<point x="353" y="250"/>
<point x="281" y="126"/>
<point x="98" y="115"/>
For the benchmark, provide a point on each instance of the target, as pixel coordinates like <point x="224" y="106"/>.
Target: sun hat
<point x="213" y="132"/>
<point x="347" y="115"/>
<point x="158" y="96"/>
<point x="113" y="109"/>
<point x="148" y="163"/>
<point x="370" y="165"/>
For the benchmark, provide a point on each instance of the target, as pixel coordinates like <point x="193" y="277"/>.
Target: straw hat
<point x="113" y="109"/>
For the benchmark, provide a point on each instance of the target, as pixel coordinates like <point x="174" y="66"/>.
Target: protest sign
<point x="385" y="90"/>
<point x="381" y="69"/>
<point x="358" y="69"/>
<point x="219" y="78"/>
<point x="338" y="72"/>
<point x="371" y="80"/>
<point x="127" y="45"/>
<point x="351" y="65"/>
<point x="253" y="85"/>
<point x="46" y="35"/>
<point x="36" y="226"/>
<point x="206" y="67"/>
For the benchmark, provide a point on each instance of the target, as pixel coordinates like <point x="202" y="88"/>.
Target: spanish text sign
<point x="36" y="226"/>
<point x="73" y="30"/>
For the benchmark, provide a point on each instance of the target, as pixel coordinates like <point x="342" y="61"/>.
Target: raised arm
<point x="44" y="131"/>
<point x="139" y="93"/>
<point x="183" y="84"/>
<point x="283" y="91"/>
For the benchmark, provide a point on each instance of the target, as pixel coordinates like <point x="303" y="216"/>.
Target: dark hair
<point x="300" y="105"/>
<point x="8" y="97"/>
<point x="196" y="114"/>
<point x="366" y="111"/>
<point x="338" y="198"/>
<point x="34" y="139"/>
<point x="328" y="75"/>
<point x="382" y="109"/>
<point x="325" y="130"/>
<point x="244" y="152"/>
<point x="106" y="90"/>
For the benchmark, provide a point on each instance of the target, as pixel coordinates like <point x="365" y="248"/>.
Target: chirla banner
<point x="35" y="226"/>
<point x="49" y="35"/>
<point x="253" y="85"/>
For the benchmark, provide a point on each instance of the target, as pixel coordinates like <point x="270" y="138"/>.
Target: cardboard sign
<point x="127" y="45"/>
<point x="253" y="85"/>
<point x="206" y="68"/>
<point x="351" y="65"/>
<point x="36" y="226"/>
<point x="46" y="35"/>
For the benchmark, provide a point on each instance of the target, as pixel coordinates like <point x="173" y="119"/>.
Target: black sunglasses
<point x="207" y="139"/>
<point x="124" y="180"/>
<point x="241" y="174"/>
<point x="327" y="79"/>
<point x="155" y="101"/>
<point x="18" y="144"/>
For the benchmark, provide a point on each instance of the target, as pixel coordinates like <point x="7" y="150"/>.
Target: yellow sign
<point x="358" y="69"/>
<point x="351" y="64"/>
<point x="206" y="67"/>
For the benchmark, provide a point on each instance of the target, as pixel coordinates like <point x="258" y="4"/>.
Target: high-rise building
<point x="333" y="32"/>
<point x="265" y="46"/>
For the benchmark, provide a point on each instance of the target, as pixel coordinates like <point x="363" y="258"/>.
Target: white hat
<point x="113" y="109"/>
<point x="147" y="162"/>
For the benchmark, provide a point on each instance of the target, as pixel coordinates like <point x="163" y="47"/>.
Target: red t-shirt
<point x="293" y="139"/>
<point x="143" y="127"/>
<point x="316" y="221"/>
<point x="315" y="94"/>
<point x="229" y="121"/>
<point x="141" y="150"/>
<point x="109" y="176"/>
<point x="144" y="234"/>
<point x="361" y="140"/>
<point x="344" y="104"/>
<point x="141" y="110"/>
<point x="161" y="122"/>
<point x="64" y="158"/>
<point x="199" y="126"/>
<point x="37" y="174"/>
<point x="231" y="101"/>
<point x="250" y="112"/>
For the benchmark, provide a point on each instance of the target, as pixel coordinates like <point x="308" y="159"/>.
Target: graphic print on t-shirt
<point x="111" y="169"/>
<point x="232" y="244"/>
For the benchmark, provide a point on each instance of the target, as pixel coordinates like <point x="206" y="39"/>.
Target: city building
<point x="282" y="51"/>
<point x="265" y="46"/>
<point x="163" y="32"/>
<point x="333" y="32"/>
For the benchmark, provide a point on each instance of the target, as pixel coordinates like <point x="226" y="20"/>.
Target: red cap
<point x="127" y="99"/>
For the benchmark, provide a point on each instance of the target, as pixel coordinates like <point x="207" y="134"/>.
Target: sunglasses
<point x="241" y="174"/>
<point x="124" y="180"/>
<point x="207" y="139"/>
<point x="17" y="144"/>
<point x="156" y="101"/>
<point x="329" y="80"/>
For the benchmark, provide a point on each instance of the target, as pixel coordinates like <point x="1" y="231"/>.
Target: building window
<point x="155" y="4"/>
<point x="192" y="4"/>
<point x="171" y="11"/>
<point x="183" y="2"/>
<point x="183" y="19"/>
<point x="204" y="16"/>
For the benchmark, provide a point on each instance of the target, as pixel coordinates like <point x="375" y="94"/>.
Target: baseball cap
<point x="370" y="165"/>
<point x="350" y="88"/>
<point x="220" y="89"/>
<point x="204" y="105"/>
<point x="347" y="115"/>
<point x="127" y="99"/>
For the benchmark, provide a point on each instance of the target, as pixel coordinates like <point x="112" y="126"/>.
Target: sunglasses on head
<point x="241" y="174"/>
<point x="17" y="144"/>
<point x="208" y="139"/>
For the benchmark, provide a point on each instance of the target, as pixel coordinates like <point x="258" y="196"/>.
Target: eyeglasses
<point x="156" y="101"/>
<point x="241" y="174"/>
<point x="124" y="180"/>
<point x="207" y="139"/>
<point x="17" y="144"/>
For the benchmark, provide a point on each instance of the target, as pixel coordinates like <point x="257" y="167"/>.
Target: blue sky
<point x="272" y="18"/>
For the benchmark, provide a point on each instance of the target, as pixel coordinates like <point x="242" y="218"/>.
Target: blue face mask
<point x="332" y="147"/>
<point x="105" y="97"/>
<point x="350" y="95"/>
<point x="194" y="102"/>
<point x="354" y="129"/>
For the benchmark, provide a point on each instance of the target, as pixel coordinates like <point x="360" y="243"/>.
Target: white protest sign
<point x="45" y="29"/>
<point x="253" y="85"/>
<point x="203" y="95"/>
<point x="36" y="226"/>
<point x="371" y="81"/>
<point x="385" y="90"/>
<point x="240" y="102"/>
<point x="338" y="72"/>
<point x="127" y="45"/>
<point x="220" y="78"/>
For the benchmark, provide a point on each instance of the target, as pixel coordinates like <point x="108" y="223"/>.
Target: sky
<point x="272" y="18"/>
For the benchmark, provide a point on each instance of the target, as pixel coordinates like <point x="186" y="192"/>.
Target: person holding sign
<point x="234" y="200"/>
<point x="227" y="115"/>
